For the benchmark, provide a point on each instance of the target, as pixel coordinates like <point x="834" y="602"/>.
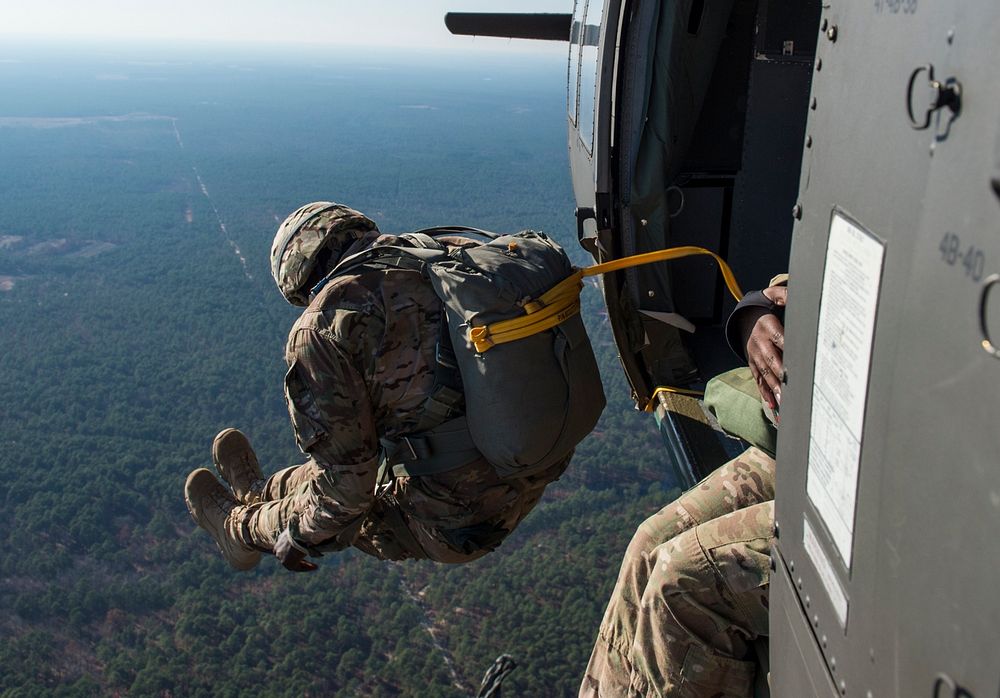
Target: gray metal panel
<point x="793" y="645"/>
<point x="635" y="22"/>
<point x="937" y="543"/>
<point x="925" y="545"/>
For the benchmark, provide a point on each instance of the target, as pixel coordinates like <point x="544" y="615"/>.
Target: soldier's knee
<point x="753" y="475"/>
<point x="649" y="535"/>
<point x="679" y="567"/>
<point x="643" y="542"/>
<point x="728" y="555"/>
<point x="711" y="581"/>
<point x="685" y="600"/>
<point x="659" y="528"/>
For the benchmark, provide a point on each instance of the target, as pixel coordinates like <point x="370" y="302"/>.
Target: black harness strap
<point x="445" y="447"/>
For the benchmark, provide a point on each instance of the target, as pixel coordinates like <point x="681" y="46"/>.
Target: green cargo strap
<point x="454" y="230"/>
<point x="423" y="240"/>
<point x="445" y="447"/>
<point x="735" y="401"/>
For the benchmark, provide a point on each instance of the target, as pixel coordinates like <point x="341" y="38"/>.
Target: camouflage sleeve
<point x="331" y="413"/>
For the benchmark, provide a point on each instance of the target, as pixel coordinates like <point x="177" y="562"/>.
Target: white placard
<point x="844" y="340"/>
<point x="827" y="576"/>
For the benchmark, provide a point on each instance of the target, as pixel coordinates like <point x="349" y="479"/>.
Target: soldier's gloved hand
<point x="291" y="554"/>
<point x="765" y="349"/>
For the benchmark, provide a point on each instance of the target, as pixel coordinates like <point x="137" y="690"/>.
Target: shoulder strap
<point x="391" y="256"/>
<point x="423" y="241"/>
<point x="447" y="399"/>
<point x="448" y="444"/>
<point x="455" y="230"/>
<point x="425" y="250"/>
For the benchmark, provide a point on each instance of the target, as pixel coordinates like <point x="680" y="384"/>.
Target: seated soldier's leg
<point x="744" y="481"/>
<point x="703" y="605"/>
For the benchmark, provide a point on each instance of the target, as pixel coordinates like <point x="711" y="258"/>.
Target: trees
<point x="119" y="365"/>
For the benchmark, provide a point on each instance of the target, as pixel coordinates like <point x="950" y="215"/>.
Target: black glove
<point x="291" y="554"/>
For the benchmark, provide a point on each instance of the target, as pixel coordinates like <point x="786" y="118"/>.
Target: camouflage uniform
<point x="362" y="364"/>
<point x="692" y="592"/>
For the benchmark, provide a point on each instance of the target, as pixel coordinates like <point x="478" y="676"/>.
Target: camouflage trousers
<point x="453" y="517"/>
<point x="292" y="489"/>
<point x="691" y="595"/>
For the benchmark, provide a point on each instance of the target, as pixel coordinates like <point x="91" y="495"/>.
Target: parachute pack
<point x="527" y="402"/>
<point x="531" y="384"/>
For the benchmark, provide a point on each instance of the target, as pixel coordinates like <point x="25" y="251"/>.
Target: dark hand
<point x="765" y="349"/>
<point x="291" y="554"/>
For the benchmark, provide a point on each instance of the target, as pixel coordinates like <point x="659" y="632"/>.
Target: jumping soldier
<point x="369" y="384"/>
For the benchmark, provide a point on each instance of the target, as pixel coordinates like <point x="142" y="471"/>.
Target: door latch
<point x="942" y="94"/>
<point x="984" y="321"/>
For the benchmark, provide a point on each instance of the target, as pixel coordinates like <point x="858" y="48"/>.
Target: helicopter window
<point x="573" y="78"/>
<point x="588" y="71"/>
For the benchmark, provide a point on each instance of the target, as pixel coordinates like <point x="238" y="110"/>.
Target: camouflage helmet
<point x="304" y="236"/>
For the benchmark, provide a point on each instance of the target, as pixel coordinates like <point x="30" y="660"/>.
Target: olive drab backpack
<point x="532" y="389"/>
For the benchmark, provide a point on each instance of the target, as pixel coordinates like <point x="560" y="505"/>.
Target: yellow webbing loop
<point x="562" y="301"/>
<point x="665" y="255"/>
<point x="670" y="389"/>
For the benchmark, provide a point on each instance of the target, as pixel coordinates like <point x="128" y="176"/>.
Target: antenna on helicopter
<point x="510" y="25"/>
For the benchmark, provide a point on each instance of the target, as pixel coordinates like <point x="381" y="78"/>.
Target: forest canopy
<point x="138" y="319"/>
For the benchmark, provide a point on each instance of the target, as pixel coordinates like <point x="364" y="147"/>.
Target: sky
<point x="400" y="23"/>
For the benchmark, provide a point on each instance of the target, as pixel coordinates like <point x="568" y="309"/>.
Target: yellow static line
<point x="562" y="301"/>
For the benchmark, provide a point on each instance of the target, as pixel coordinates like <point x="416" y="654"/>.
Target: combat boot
<point x="213" y="508"/>
<point x="237" y="464"/>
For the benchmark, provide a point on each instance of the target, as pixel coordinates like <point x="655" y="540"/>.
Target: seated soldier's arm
<point x="756" y="333"/>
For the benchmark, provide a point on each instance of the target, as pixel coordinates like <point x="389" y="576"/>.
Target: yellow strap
<point x="665" y="255"/>
<point x="487" y="336"/>
<point x="562" y="301"/>
<point x="650" y="406"/>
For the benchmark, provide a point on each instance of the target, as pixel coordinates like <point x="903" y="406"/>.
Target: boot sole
<point x="251" y="561"/>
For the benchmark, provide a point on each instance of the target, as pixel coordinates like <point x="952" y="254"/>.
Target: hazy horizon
<point x="388" y="23"/>
<point x="141" y="189"/>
